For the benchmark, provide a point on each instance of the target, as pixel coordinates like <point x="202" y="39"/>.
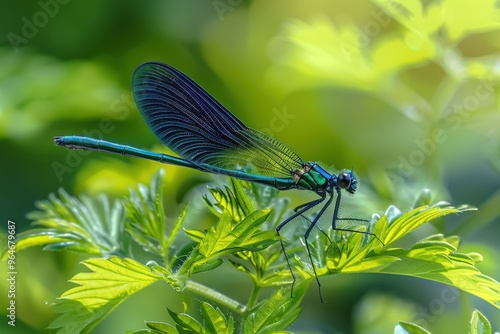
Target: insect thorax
<point x="308" y="178"/>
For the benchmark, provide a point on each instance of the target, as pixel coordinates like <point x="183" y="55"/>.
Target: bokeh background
<point x="406" y="94"/>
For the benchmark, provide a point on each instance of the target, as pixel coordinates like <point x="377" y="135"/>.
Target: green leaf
<point x="240" y="267"/>
<point x="146" y="217"/>
<point x="434" y="258"/>
<point x="195" y="235"/>
<point x="224" y="201"/>
<point x="177" y="227"/>
<point x="245" y="235"/>
<point x="371" y="264"/>
<point x="265" y="196"/>
<point x="278" y="312"/>
<point x="242" y="198"/>
<point x="414" y="219"/>
<point x="460" y="23"/>
<point x="404" y="327"/>
<point x="80" y="225"/>
<point x="54" y="241"/>
<point x="207" y="266"/>
<point x="248" y="228"/>
<point x="215" y="321"/>
<point x="217" y="237"/>
<point x="412" y="15"/>
<point x="99" y="292"/>
<point x="259" y="241"/>
<point x="161" y="327"/>
<point x="185" y="323"/>
<point x="479" y="324"/>
<point x="440" y="262"/>
<point x="424" y="198"/>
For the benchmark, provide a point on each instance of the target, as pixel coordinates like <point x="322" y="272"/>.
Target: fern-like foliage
<point x="244" y="237"/>
<point x="86" y="225"/>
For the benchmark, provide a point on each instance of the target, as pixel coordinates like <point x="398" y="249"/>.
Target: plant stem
<point x="253" y="296"/>
<point x="215" y="296"/>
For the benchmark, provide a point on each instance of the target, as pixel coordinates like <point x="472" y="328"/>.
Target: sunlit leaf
<point x="412" y="15"/>
<point x="80" y="225"/>
<point x="185" y="323"/>
<point x="207" y="266"/>
<point x="244" y="201"/>
<point x="146" y="216"/>
<point x="223" y="237"/>
<point x="435" y="258"/>
<point x="215" y="321"/>
<point x="460" y="23"/>
<point x="99" y="292"/>
<point x="278" y="312"/>
<point x="479" y="324"/>
<point x="404" y="327"/>
<point x="441" y="263"/>
<point x="160" y="327"/>
<point x="224" y="201"/>
<point x="414" y="219"/>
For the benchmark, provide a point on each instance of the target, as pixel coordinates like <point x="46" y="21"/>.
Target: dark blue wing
<point x="197" y="127"/>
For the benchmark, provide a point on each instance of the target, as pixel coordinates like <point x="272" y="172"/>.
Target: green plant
<point x="478" y="325"/>
<point x="244" y="236"/>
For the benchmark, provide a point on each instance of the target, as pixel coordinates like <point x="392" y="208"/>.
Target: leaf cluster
<point x="244" y="237"/>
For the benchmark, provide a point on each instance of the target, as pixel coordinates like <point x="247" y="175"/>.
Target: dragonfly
<point x="209" y="138"/>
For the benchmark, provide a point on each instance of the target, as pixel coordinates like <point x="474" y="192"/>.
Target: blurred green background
<point x="407" y="94"/>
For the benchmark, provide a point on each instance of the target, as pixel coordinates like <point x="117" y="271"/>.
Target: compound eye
<point x="344" y="180"/>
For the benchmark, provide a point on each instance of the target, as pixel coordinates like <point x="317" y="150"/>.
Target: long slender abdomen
<point x="86" y="143"/>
